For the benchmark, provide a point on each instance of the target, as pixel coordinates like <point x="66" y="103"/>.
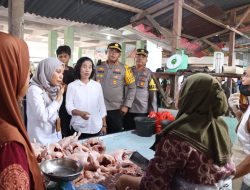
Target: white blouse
<point x="86" y="97"/>
<point x="42" y="113"/>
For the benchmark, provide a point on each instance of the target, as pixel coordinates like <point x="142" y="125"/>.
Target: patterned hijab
<point x="201" y="102"/>
<point x="14" y="68"/>
<point x="44" y="74"/>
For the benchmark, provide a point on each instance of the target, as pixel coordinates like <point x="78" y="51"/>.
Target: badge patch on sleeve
<point x="152" y="85"/>
<point x="129" y="77"/>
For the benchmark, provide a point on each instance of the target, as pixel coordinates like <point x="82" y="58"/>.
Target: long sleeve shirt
<point x="42" y="113"/>
<point x="243" y="144"/>
<point x="177" y="159"/>
<point x="89" y="98"/>
<point x="145" y="96"/>
<point x="113" y="79"/>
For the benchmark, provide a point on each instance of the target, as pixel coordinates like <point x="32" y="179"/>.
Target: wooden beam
<point x="214" y="34"/>
<point x="165" y="32"/>
<point x="119" y="5"/>
<point x="203" y="40"/>
<point x="189" y="37"/>
<point x="159" y="87"/>
<point x="156" y="40"/>
<point x="157" y="7"/>
<point x="202" y="15"/>
<point x="16" y="18"/>
<point x="158" y="13"/>
<point x="237" y="8"/>
<point x="231" y="39"/>
<point x="244" y="16"/>
<point x="177" y="23"/>
<point x="211" y="44"/>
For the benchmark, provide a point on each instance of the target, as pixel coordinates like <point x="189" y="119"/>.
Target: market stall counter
<point x="131" y="141"/>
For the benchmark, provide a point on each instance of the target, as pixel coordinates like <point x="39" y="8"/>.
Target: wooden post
<point x="16" y="17"/>
<point x="231" y="47"/>
<point x="177" y="22"/>
<point x="231" y="39"/>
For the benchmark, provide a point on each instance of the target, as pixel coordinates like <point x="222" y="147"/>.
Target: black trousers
<point x="114" y="121"/>
<point x="85" y="135"/>
<point x="65" y="119"/>
<point x="129" y="123"/>
<point x="65" y="126"/>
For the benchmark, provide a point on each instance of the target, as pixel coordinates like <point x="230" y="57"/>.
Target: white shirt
<point x="42" y="113"/>
<point x="86" y="97"/>
<point x="244" y="139"/>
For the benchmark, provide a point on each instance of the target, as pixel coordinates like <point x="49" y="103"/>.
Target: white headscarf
<point x="44" y="74"/>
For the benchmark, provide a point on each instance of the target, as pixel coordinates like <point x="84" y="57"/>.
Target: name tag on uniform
<point x="100" y="70"/>
<point x="117" y="71"/>
<point x="99" y="75"/>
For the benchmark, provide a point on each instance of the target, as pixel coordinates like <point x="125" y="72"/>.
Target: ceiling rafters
<point x="155" y="9"/>
<point x="165" y="32"/>
<point x="237" y="8"/>
<point x="119" y="5"/>
<point x="212" y="20"/>
<point x="203" y="40"/>
<point x="244" y="16"/>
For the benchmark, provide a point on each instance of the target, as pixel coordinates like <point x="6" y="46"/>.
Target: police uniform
<point x="114" y="78"/>
<point x="145" y="97"/>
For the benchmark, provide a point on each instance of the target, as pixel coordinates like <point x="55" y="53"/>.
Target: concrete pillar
<point x="123" y="55"/>
<point x="16" y="17"/>
<point x="69" y="40"/>
<point x="80" y="52"/>
<point x="52" y="43"/>
<point x="140" y="44"/>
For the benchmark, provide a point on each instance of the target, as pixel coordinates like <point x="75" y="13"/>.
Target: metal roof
<point x="85" y="11"/>
<point x="88" y="11"/>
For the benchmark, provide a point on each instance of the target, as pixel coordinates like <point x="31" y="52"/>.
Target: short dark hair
<point x="78" y="65"/>
<point x="63" y="49"/>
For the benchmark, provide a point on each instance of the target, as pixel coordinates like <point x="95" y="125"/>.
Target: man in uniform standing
<point x="145" y="98"/>
<point x="113" y="77"/>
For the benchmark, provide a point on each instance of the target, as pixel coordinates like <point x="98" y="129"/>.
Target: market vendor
<point x="113" y="77"/>
<point x="44" y="98"/>
<point x="194" y="151"/>
<point x="145" y="97"/>
<point x="241" y="147"/>
<point x="18" y="165"/>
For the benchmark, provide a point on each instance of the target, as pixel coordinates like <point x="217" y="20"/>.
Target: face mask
<point x="244" y="89"/>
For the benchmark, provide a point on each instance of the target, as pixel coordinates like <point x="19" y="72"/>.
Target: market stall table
<point x="129" y="140"/>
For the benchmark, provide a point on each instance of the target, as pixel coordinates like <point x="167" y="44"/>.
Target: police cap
<point x="115" y="46"/>
<point x="142" y="52"/>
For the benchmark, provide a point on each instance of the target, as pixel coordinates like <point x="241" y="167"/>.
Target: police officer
<point x="145" y="98"/>
<point x="113" y="77"/>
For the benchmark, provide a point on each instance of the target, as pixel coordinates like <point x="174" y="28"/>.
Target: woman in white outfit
<point x="44" y="99"/>
<point x="85" y="102"/>
<point x="241" y="148"/>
